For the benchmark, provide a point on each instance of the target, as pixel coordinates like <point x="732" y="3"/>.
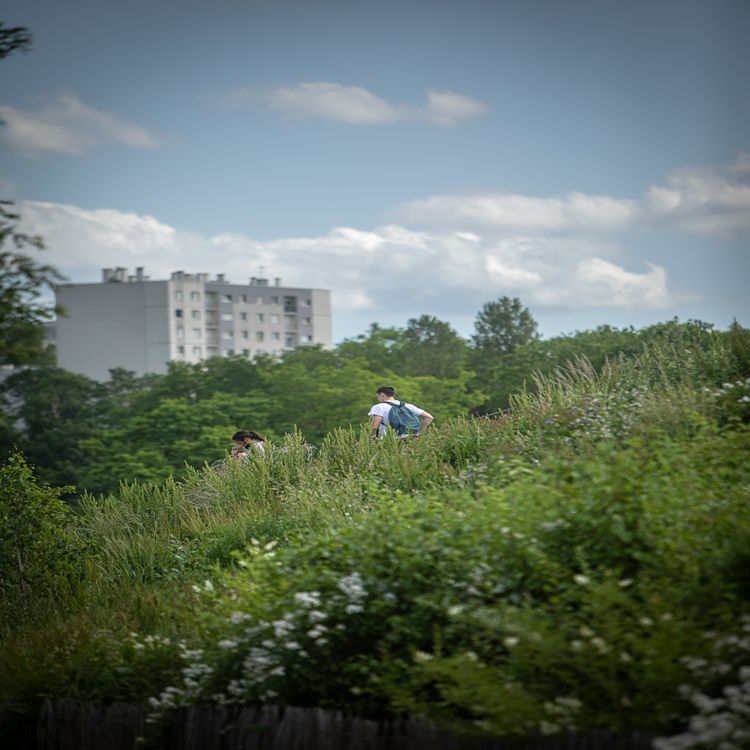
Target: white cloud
<point x="704" y="200"/>
<point x="509" y="212"/>
<point x="693" y="200"/>
<point x="66" y="125"/>
<point x="390" y="269"/>
<point x="447" y="108"/>
<point x="355" y="105"/>
<point x="599" y="283"/>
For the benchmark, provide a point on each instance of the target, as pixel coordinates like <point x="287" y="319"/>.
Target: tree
<point x="431" y="347"/>
<point x="16" y="39"/>
<point x="21" y="278"/>
<point x="381" y="348"/>
<point x="50" y="411"/>
<point x="40" y="546"/>
<point x="504" y="325"/>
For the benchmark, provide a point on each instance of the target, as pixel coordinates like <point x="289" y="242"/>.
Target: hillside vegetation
<point x="578" y="561"/>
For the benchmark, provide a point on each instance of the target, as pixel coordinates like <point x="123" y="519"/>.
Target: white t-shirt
<point x="382" y="408"/>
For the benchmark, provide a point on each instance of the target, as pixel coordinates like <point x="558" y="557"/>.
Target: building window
<point x="276" y="336"/>
<point x="244" y="298"/>
<point x="227" y="317"/>
<point x="260" y="317"/>
<point x="289" y="320"/>
<point x="288" y="341"/>
<point x="290" y="304"/>
<point x="180" y="332"/>
<point x="305" y="302"/>
<point x="274" y="319"/>
<point x="229" y="352"/>
<point x="178" y="313"/>
<point x="306" y="339"/>
<point x="259" y="336"/>
<point x="195" y="314"/>
<point x="197" y="351"/>
<point x="259" y="300"/>
<point x="180" y="349"/>
<point x="227" y="334"/>
<point x="243" y="316"/>
<point x="197" y="333"/>
<point x="245" y="335"/>
<point x="226" y="297"/>
<point x="307" y="321"/>
<point x="178" y="296"/>
<point x="274" y="300"/>
<point x="245" y="352"/>
<point x="195" y="296"/>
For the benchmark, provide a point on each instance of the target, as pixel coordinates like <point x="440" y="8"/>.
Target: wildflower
<point x="600" y="645"/>
<point x="586" y="631"/>
<point x="353" y="586"/>
<point x="227" y="643"/>
<point x="576" y="645"/>
<point x="625" y="582"/>
<point x="315" y="615"/>
<point x="511" y="641"/>
<point x="422" y="656"/>
<point x="581" y="580"/>
<point x="238" y="617"/>
<point x="456" y="609"/>
<point x="208" y="585"/>
<point x="548" y="727"/>
<point x="307" y="598"/>
<point x="647" y="622"/>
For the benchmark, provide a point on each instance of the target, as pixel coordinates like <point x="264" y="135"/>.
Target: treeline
<point x="78" y="431"/>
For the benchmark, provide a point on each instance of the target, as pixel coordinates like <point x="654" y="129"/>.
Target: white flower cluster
<point x="721" y="722"/>
<point x="595" y="641"/>
<point x="265" y="650"/>
<point x="195" y="674"/>
<point x="561" y="714"/>
<point x="354" y="589"/>
<point x="149" y="642"/>
<point x="739" y="389"/>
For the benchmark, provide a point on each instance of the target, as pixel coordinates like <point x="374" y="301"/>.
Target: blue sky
<point x="590" y="157"/>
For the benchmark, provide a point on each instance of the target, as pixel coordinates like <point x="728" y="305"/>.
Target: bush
<point x="40" y="544"/>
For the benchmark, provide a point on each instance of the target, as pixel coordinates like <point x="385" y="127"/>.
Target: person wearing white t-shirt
<point x="379" y="413"/>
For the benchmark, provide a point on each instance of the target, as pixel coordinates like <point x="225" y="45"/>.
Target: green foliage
<point x="40" y="546"/>
<point x="556" y="568"/>
<point x="22" y="281"/>
<point x="14" y="39"/>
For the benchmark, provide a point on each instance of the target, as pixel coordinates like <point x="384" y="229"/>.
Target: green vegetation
<point x="578" y="562"/>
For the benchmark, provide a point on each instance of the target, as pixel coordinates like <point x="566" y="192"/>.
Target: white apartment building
<point x="133" y="322"/>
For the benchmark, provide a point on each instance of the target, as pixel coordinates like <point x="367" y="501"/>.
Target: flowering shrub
<point x="719" y="692"/>
<point x="545" y="572"/>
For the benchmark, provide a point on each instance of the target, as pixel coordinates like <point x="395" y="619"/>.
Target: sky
<point x="591" y="157"/>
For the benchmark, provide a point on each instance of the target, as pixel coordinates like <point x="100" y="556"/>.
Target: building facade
<point x="133" y="322"/>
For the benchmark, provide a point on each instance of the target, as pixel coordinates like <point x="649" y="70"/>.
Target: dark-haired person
<point x="245" y="442"/>
<point x="379" y="413"/>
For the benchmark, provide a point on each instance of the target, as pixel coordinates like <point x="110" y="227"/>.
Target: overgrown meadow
<point x="580" y="561"/>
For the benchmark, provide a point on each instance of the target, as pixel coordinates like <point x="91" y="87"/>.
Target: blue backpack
<point x="402" y="420"/>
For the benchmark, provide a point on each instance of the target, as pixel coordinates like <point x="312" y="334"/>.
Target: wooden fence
<point x="66" y="725"/>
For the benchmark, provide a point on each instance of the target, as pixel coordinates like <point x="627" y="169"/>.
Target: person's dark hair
<point x="247" y="435"/>
<point x="386" y="390"/>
